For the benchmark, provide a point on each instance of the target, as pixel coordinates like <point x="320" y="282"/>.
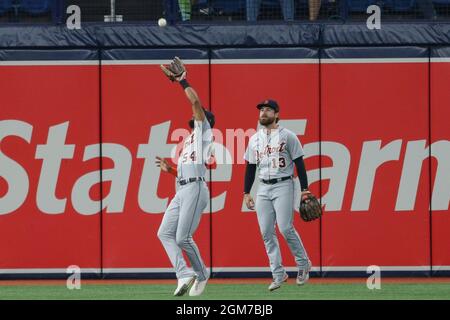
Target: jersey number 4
<point x="192" y="156"/>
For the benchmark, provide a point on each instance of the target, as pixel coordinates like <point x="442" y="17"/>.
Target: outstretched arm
<point x="176" y="71"/>
<point x="191" y="94"/>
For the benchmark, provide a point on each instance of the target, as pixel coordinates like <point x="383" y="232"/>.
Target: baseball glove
<point x="175" y="71"/>
<point x="310" y="208"/>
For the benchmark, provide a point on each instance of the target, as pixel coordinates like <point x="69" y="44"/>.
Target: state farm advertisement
<point x="49" y="143"/>
<point x="440" y="157"/>
<point x="375" y="174"/>
<point x="144" y="116"/>
<point x="365" y="130"/>
<point x="237" y="241"/>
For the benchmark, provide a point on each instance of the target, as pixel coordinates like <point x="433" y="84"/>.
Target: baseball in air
<point x="162" y="22"/>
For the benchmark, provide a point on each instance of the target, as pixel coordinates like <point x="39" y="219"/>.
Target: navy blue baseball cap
<point x="269" y="103"/>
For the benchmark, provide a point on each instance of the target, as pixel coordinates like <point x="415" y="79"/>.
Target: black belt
<point x="182" y="182"/>
<point x="273" y="181"/>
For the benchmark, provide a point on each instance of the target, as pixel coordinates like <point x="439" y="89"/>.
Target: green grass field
<point x="349" y="291"/>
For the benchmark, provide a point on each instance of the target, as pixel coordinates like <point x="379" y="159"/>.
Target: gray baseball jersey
<point x="183" y="214"/>
<point x="196" y="151"/>
<point x="274" y="152"/>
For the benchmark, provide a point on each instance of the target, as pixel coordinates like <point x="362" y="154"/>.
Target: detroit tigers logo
<point x="270" y="150"/>
<point x="189" y="140"/>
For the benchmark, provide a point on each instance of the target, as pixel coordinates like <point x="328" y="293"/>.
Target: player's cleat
<point x="277" y="284"/>
<point x="183" y="286"/>
<point x="303" y="274"/>
<point x="198" y="287"/>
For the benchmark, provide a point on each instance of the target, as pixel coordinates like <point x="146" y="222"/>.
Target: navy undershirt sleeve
<point x="301" y="171"/>
<point x="250" y="172"/>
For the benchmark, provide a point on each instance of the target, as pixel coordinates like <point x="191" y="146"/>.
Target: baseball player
<point x="183" y="214"/>
<point x="275" y="151"/>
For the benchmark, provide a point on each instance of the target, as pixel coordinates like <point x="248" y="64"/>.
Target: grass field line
<point x="218" y="291"/>
<point x="417" y="280"/>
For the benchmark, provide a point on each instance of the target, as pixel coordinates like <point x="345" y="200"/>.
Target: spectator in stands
<point x="287" y="7"/>
<point x="314" y="8"/>
<point x="185" y="9"/>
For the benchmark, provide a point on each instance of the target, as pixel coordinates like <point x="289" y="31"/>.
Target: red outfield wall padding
<point x="290" y="76"/>
<point x="144" y="116"/>
<point x="375" y="169"/>
<point x="440" y="160"/>
<point x="371" y="112"/>
<point x="49" y="122"/>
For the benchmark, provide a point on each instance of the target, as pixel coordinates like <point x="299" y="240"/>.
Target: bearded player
<point x="275" y="151"/>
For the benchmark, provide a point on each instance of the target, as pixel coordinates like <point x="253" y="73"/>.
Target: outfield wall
<point x="80" y="128"/>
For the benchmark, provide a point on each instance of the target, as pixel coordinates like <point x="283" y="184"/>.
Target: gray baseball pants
<point x="179" y="223"/>
<point x="275" y="205"/>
